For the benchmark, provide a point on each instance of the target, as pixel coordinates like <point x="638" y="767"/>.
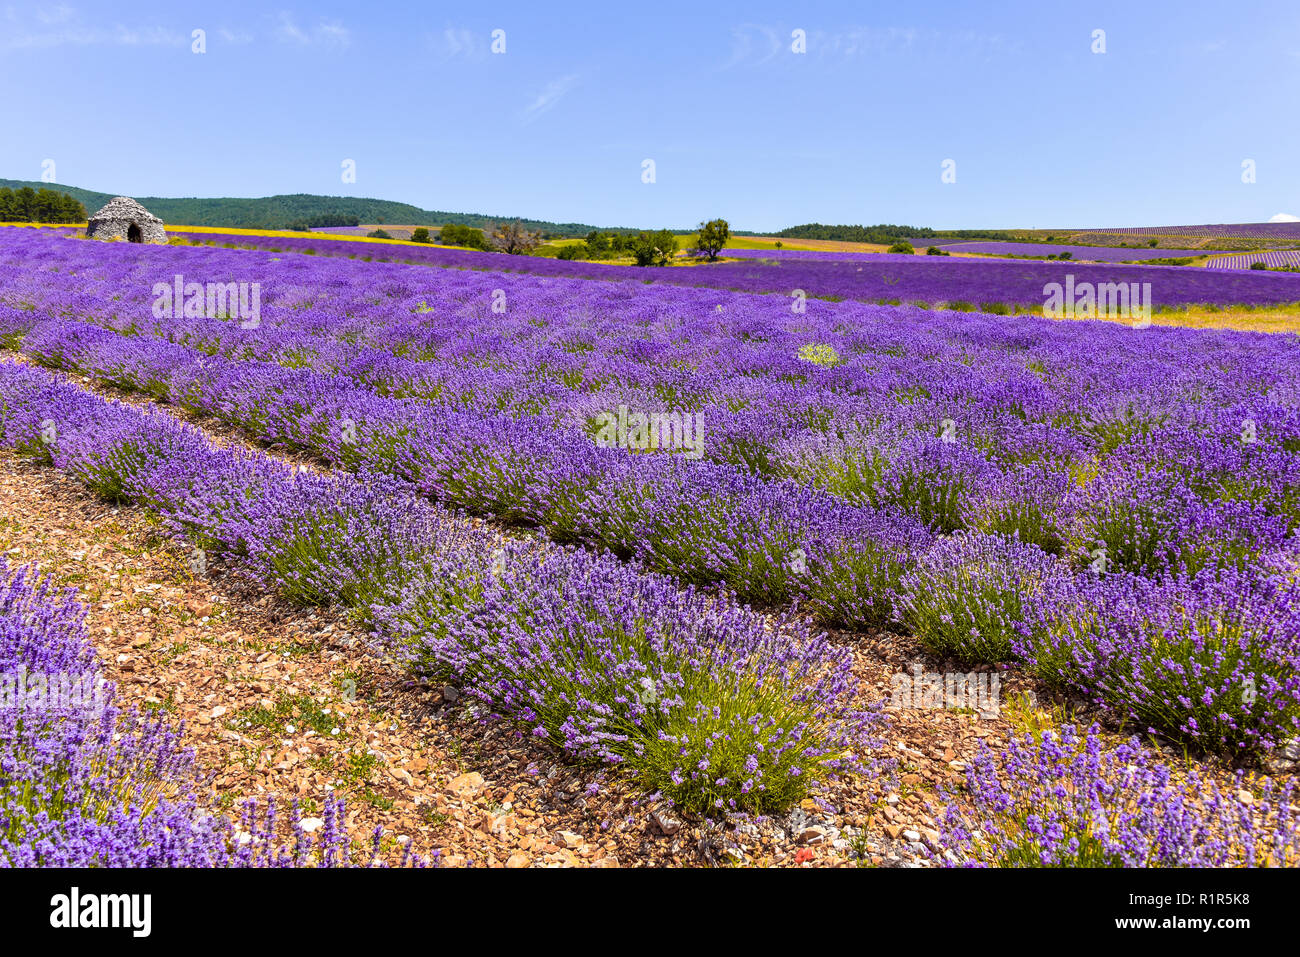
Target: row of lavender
<point x="574" y="645"/>
<point x="1195" y="519"/>
<point x="1265" y="230"/>
<point x="1105" y="254"/>
<point x="933" y="280"/>
<point x="85" y="783"/>
<point x="702" y="701"/>
<point x="1273" y="258"/>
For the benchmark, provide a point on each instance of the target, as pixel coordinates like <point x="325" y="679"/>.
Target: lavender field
<point x="649" y="525"/>
<point x="875" y="277"/>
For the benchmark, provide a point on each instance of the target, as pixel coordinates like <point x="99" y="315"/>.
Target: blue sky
<point x="1043" y="132"/>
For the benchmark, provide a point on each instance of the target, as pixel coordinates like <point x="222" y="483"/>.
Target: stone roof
<point x="124" y="207"/>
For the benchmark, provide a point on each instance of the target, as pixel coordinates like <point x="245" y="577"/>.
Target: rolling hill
<point x="283" y="212"/>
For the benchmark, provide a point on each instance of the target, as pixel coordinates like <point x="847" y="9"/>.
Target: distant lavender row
<point x="1105" y="254"/>
<point x="1265" y="230"/>
<point x="883" y="277"/>
<point x="793" y="254"/>
<point x="1274" y="258"/>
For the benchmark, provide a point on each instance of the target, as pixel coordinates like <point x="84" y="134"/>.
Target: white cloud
<point x="856" y="41"/>
<point x="1283" y="218"/>
<point x="550" y="96"/>
<point x="757" y="44"/>
<point x="752" y="39"/>
<point x="328" y="33"/>
<point x="61" y="25"/>
<point x="52" y="15"/>
<point x="457" y="41"/>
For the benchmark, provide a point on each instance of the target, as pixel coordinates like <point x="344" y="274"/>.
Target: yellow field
<point x="1241" y="318"/>
<point x="48" y="225"/>
<point x="294" y="234"/>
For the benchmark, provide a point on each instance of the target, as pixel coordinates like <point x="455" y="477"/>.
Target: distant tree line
<point x="27" y="205"/>
<point x="455" y="234"/>
<point x="306" y="224"/>
<point x="885" y="233"/>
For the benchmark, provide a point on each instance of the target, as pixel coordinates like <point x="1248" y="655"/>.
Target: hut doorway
<point x="133" y="234"/>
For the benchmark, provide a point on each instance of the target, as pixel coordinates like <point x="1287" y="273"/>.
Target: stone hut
<point x="124" y="218"/>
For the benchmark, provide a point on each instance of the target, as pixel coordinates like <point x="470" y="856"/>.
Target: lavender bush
<point x="1210" y="659"/>
<point x="706" y="702"/>
<point x="975" y="597"/>
<point x="1065" y="799"/>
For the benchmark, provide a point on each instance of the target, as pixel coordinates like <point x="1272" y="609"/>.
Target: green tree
<point x="654" y="249"/>
<point x="456" y="235"/>
<point x="420" y="235"/>
<point x="714" y="235"/>
<point x="902" y="246"/>
<point x="27" y="205"/>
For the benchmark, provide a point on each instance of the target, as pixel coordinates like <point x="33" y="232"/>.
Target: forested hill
<point x="297" y="210"/>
